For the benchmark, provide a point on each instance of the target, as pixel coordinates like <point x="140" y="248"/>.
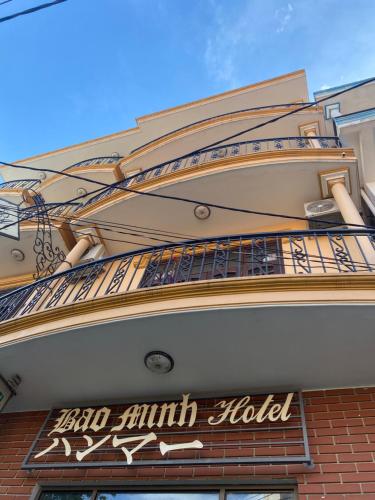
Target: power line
<point x="179" y="198"/>
<point x="30" y="11"/>
<point x="105" y="226"/>
<point x="320" y="259"/>
<point x="5" y="1"/>
<point x="187" y="200"/>
<point x="277" y="118"/>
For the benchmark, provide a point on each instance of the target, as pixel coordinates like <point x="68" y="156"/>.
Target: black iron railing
<point x="214" y="154"/>
<point x="286" y="253"/>
<point x="54" y="210"/>
<point x="222" y="115"/>
<point x="100" y="160"/>
<point x="20" y="184"/>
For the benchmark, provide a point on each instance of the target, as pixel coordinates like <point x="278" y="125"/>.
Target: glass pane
<point x="168" y="495"/>
<point x="260" y="495"/>
<point x="65" y="495"/>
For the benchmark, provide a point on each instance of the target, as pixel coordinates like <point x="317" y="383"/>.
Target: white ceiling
<point x="216" y="351"/>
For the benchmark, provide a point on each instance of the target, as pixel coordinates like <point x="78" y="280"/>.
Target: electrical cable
<point x="178" y="198"/>
<point x="198" y="202"/>
<point x="108" y="226"/>
<point x="31" y="10"/>
<point x="310" y="257"/>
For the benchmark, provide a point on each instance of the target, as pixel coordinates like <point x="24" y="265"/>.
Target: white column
<point x="351" y="215"/>
<point x="75" y="254"/>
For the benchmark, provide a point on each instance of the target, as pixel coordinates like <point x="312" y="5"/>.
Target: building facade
<point x="187" y="307"/>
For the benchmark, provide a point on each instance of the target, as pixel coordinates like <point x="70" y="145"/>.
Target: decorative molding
<point x="223" y="95"/>
<point x="16" y="281"/>
<point x="117" y="173"/>
<point x="253" y="159"/>
<point x="238" y="286"/>
<point x="200" y="126"/>
<point x="327" y="177"/>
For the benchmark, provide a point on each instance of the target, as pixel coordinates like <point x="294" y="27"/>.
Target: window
<point x="241" y="494"/>
<point x="332" y="110"/>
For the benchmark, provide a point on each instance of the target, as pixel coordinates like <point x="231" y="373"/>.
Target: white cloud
<point x="283" y="15"/>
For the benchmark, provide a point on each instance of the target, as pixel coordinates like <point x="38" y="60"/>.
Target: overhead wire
<point x="142" y="231"/>
<point x="320" y="259"/>
<point x="200" y="202"/>
<point x="31" y="10"/>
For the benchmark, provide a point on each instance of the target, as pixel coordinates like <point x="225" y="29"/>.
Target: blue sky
<point x="86" y="68"/>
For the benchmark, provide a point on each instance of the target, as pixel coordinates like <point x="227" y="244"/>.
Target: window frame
<point x="221" y="487"/>
<point x="328" y="108"/>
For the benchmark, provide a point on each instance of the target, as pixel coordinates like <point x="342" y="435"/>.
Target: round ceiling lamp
<point x="159" y="362"/>
<point x="17" y="254"/>
<point x="202" y="212"/>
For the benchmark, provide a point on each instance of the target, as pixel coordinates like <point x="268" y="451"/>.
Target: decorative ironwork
<point x="48" y="256"/>
<point x="102" y="160"/>
<point x="118" y="277"/>
<point x="299" y="255"/>
<point x="20" y="184"/>
<point x="341" y="253"/>
<point x="323" y="251"/>
<point x="235" y="150"/>
<point x="213" y="154"/>
<point x="176" y="165"/>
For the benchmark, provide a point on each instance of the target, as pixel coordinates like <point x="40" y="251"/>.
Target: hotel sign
<point x="233" y="430"/>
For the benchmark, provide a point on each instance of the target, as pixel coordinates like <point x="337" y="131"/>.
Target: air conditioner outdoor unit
<point x="94" y="253"/>
<point x="325" y="210"/>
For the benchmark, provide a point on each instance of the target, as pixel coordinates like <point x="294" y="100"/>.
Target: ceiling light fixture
<point x="202" y="212"/>
<point x="159" y="362"/>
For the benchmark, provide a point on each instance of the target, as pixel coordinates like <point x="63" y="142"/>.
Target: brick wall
<point x="341" y="427"/>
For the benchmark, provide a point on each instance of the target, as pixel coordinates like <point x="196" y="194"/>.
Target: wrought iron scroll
<point x="48" y="257"/>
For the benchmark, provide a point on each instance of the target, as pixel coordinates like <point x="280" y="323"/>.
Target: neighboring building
<point x="185" y="350"/>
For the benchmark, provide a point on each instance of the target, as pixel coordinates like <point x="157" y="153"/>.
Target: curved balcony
<point x="93" y="162"/>
<point x="19" y="184"/>
<point x="272" y="107"/>
<point x="54" y="210"/>
<point x="278" y="145"/>
<point x="255" y="256"/>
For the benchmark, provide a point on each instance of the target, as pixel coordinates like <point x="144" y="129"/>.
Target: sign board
<point x="9" y="220"/>
<point x="233" y="430"/>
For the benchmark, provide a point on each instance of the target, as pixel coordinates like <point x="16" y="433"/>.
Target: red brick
<point x="338" y="468"/>
<point x="359" y="447"/>
<point x="366" y="467"/>
<point x="361" y="477"/>
<point x="351" y="439"/>
<point x="310" y="488"/>
<point x="368" y="488"/>
<point x="324" y="478"/>
<point x="355" y="457"/>
<point x="342" y="488"/>
<point x="339" y="448"/>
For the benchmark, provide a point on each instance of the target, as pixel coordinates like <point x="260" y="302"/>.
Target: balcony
<point x="19" y="184"/>
<point x="281" y="146"/>
<point x="94" y="162"/>
<point x="54" y="210"/>
<point x="276" y="310"/>
<point x="283" y="255"/>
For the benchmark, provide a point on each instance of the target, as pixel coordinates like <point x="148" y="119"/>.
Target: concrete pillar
<point x="351" y="215"/>
<point x="75" y="254"/>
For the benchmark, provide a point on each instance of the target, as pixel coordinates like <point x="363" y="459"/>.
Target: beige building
<point x="197" y="253"/>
